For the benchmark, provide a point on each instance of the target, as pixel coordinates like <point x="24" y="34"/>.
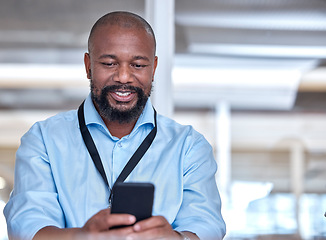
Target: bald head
<point x="125" y="20"/>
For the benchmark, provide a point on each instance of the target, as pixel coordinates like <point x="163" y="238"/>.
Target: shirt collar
<point x="93" y="117"/>
<point x="147" y="116"/>
<point x="91" y="114"/>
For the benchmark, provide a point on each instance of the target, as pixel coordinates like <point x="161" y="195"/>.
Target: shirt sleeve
<point x="200" y="211"/>
<point x="33" y="204"/>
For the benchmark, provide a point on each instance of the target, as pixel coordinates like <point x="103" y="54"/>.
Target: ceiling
<point x="211" y="36"/>
<point x="248" y="28"/>
<point x="230" y="25"/>
<point x="267" y="52"/>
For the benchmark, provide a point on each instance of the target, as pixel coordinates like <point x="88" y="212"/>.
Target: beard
<point x="111" y="113"/>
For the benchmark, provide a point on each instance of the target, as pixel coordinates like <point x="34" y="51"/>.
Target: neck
<point x="119" y="130"/>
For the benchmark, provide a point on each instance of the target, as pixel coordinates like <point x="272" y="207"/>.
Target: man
<point x="58" y="192"/>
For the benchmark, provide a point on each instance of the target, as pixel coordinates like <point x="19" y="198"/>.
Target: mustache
<point x="112" y="88"/>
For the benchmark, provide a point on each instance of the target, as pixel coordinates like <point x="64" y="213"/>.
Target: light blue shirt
<point x="57" y="184"/>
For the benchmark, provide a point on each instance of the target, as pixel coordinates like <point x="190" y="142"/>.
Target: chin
<point x="124" y="108"/>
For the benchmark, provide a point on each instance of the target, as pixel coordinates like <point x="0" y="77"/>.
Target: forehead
<point x="114" y="36"/>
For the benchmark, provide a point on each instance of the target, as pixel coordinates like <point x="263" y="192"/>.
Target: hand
<point x="156" y="227"/>
<point x="104" y="220"/>
<point x="96" y="228"/>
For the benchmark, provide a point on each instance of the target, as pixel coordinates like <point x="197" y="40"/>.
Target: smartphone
<point x="133" y="198"/>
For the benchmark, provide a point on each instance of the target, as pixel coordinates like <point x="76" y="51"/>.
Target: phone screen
<point x="133" y="198"/>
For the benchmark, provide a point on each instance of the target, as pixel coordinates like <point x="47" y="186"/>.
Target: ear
<point x="87" y="63"/>
<point x="154" y="69"/>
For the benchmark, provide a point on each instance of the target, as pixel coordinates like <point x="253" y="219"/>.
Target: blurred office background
<point x="248" y="74"/>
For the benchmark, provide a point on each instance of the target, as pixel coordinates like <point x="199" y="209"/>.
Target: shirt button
<point x="119" y="145"/>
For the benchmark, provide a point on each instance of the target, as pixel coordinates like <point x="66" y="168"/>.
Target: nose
<point x="123" y="74"/>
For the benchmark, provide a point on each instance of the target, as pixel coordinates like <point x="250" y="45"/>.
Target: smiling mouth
<point x="123" y="96"/>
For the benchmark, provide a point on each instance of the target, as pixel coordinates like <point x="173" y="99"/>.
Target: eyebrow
<point x="111" y="56"/>
<point x="141" y="58"/>
<point x="108" y="56"/>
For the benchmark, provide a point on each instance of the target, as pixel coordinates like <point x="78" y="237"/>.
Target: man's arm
<point x="33" y="203"/>
<point x="98" y="226"/>
<point x="200" y="211"/>
<point x="157" y="227"/>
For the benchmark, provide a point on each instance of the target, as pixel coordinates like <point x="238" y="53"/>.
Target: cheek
<point x="148" y="88"/>
<point x="100" y="80"/>
<point x="95" y="86"/>
<point x="146" y="79"/>
<point x="146" y="84"/>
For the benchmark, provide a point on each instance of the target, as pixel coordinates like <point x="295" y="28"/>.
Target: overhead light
<point x="42" y="75"/>
<point x="2" y="183"/>
<point x="251" y="19"/>
<point x="242" y="83"/>
<point x="259" y="50"/>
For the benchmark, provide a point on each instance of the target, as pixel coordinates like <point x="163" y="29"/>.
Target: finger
<point x="97" y="222"/>
<point x="152" y="222"/>
<point x="116" y="234"/>
<point x="103" y="220"/>
<point x="121" y="231"/>
<point x="120" y="219"/>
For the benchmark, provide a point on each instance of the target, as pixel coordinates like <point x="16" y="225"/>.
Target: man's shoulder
<point x="171" y="126"/>
<point x="56" y="122"/>
<point x="170" y="123"/>
<point x="53" y="129"/>
<point x="65" y="116"/>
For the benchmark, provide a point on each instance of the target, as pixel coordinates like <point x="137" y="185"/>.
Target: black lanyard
<point x="133" y="161"/>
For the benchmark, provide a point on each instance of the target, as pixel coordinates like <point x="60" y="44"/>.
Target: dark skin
<point x="119" y="56"/>
<point x="122" y="56"/>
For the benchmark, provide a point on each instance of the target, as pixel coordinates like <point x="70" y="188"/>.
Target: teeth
<point x="123" y="94"/>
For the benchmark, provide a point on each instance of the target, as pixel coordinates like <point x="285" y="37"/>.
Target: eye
<point x="108" y="64"/>
<point x="139" y="66"/>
